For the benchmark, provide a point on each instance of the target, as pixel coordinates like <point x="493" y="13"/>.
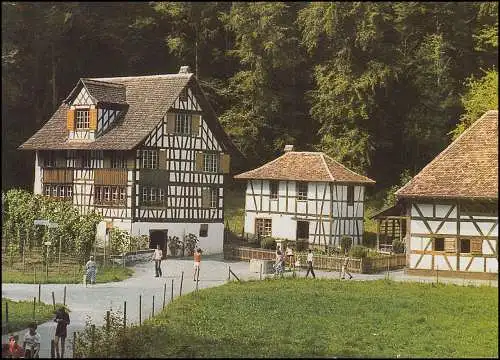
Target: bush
<point x="398" y="247"/>
<point x="268" y="243"/>
<point x="174" y="244"/>
<point x="301" y="245"/>
<point x="358" y="251"/>
<point x="190" y="242"/>
<point x="345" y="244"/>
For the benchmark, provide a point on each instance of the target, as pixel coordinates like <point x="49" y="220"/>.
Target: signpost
<point x="50" y="225"/>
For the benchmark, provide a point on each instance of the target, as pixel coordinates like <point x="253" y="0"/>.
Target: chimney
<point x="184" y="70"/>
<point x="288" y="148"/>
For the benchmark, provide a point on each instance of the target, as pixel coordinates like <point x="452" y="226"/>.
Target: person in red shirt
<point x="197" y="261"/>
<point x="12" y="350"/>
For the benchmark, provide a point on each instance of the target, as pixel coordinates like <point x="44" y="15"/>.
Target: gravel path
<point x="94" y="300"/>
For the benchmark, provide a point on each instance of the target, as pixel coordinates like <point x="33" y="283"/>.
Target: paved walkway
<point x="94" y="300"/>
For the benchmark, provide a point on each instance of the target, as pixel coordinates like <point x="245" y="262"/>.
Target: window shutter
<point x="170" y="123"/>
<point x="476" y="246"/>
<point x="205" y="200"/>
<point x="195" y="124"/>
<point x="71" y="120"/>
<point x="450" y="245"/>
<point x="162" y="159"/>
<point x="224" y="163"/>
<point x="199" y="161"/>
<point x="93" y="119"/>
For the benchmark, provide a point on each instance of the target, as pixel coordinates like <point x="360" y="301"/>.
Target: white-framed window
<point x="153" y="196"/>
<point x="183" y="124"/>
<point x="115" y="193"/>
<point x="150" y="159"/>
<point x="118" y="160"/>
<point x="123" y="194"/>
<point x="110" y="195"/>
<point x="61" y="191"/>
<point x="161" y="195"/>
<point x="263" y="227"/>
<point x="273" y="189"/>
<point x="210" y="162"/>
<point x="214" y="198"/>
<point x="82" y="119"/>
<point x="107" y="193"/>
<point x="301" y="190"/>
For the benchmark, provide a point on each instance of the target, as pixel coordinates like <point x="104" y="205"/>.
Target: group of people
<point x="279" y="265"/>
<point x="158" y="256"/>
<point x="32" y="339"/>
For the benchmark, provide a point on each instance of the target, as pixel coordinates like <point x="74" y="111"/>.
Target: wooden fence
<point x="324" y="262"/>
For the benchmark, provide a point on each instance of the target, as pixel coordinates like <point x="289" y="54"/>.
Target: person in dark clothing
<point x="62" y="320"/>
<point x="310" y="268"/>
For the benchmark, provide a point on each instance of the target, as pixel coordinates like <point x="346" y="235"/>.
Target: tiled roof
<point x="148" y="98"/>
<point x="106" y="92"/>
<point x="305" y="166"/>
<point x="467" y="168"/>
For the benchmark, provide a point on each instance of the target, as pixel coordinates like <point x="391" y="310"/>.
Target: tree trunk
<point x="54" y="89"/>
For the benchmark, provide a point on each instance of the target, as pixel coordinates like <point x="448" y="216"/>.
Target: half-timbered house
<point x="146" y="152"/>
<point x="452" y="206"/>
<point x="305" y="197"/>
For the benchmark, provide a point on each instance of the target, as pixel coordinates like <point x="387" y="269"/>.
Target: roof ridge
<point x="355" y="173"/>
<point x="452" y="145"/>
<point x="105" y="79"/>
<point x="322" y="156"/>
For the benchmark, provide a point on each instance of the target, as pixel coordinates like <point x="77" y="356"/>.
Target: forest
<point x="382" y="87"/>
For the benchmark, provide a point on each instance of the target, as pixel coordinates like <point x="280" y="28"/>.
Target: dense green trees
<point x="379" y="86"/>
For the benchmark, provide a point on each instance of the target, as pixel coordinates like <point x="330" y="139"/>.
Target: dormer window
<point x="82" y="119"/>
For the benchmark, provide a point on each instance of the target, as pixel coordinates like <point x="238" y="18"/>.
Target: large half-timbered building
<point x="305" y="196"/>
<point x="452" y="207"/>
<point x="146" y="152"/>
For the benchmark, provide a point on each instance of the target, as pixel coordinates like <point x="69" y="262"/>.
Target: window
<point x="302" y="230"/>
<point x="149" y="159"/>
<point x="210" y="162"/>
<point x="118" y="161"/>
<point x="183" y="124"/>
<point x="153" y="196"/>
<point x="273" y="189"/>
<point x="350" y="195"/>
<point x="61" y="191"/>
<point x="301" y="190"/>
<point x="465" y="246"/>
<point x="263" y="227"/>
<point x="203" y="230"/>
<point x="214" y="198"/>
<point x="49" y="159"/>
<point x="110" y="195"/>
<point x="439" y="244"/>
<point x="82" y="119"/>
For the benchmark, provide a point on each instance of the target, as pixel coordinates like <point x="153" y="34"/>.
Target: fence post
<point x="34" y="308"/>
<point x="260" y="275"/>
<point x="107" y="321"/>
<point x="229" y="274"/>
<point x="7" y="315"/>
<point x="164" y="293"/>
<point x="140" y="308"/>
<point x="172" y="291"/>
<point x="75" y="354"/>
<point x="64" y="300"/>
<point x="39" y="291"/>
<point x="124" y="314"/>
<point x="54" y="301"/>
<point x="153" y="312"/>
<point x="197" y="278"/>
<point x="182" y="279"/>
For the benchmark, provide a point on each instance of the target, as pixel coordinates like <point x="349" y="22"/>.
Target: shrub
<point x="190" y="242"/>
<point x="268" y="243"/>
<point x="358" y="251"/>
<point x="398" y="247"/>
<point x="301" y="245"/>
<point x="174" y="244"/>
<point x="345" y="244"/>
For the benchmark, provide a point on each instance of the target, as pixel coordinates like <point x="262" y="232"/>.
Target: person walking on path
<point x="345" y="263"/>
<point x="62" y="320"/>
<point x="196" y="266"/>
<point x="279" y="264"/>
<point x="91" y="271"/>
<point x="289" y="255"/>
<point x="157" y="256"/>
<point x="31" y="342"/>
<point x="310" y="264"/>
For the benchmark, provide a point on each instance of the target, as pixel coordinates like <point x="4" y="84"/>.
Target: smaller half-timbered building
<point x="146" y="152"/>
<point x="452" y="207"/>
<point x="305" y="197"/>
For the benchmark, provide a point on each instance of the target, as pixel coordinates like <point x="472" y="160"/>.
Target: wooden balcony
<point x="57" y="176"/>
<point x="110" y="177"/>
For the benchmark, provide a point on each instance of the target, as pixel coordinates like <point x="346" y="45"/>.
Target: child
<point x="32" y="342"/>
<point x="197" y="261"/>
<point x="12" y="350"/>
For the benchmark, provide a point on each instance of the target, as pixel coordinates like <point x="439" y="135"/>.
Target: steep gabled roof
<point x="148" y="98"/>
<point x="467" y="168"/>
<point x="305" y="166"/>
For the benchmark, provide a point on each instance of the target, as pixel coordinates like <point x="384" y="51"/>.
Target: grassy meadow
<point x="322" y="318"/>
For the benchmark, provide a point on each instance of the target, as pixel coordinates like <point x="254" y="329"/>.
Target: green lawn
<point x="323" y="318"/>
<point x="21" y="313"/>
<point x="68" y="275"/>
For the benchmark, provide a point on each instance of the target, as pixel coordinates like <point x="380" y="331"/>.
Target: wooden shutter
<point x="199" y="161"/>
<point x="93" y="119"/>
<point x="170" y="123"/>
<point x="450" y="245"/>
<point x="224" y="163"/>
<point x="162" y="159"/>
<point x="195" y="124"/>
<point x="205" y="199"/>
<point x="71" y="120"/>
<point x="476" y="246"/>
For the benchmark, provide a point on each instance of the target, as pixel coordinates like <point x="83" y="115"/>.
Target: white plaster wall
<point x="487" y="249"/>
<point x="464" y="260"/>
<point x="425" y="263"/>
<point x="418" y="243"/>
<point x="442" y="210"/>
<point x="37" y="188"/>
<point x="425" y="209"/>
<point x="448" y="228"/>
<point x="418" y="227"/>
<point x="492" y="265"/>
<point x="468" y="228"/>
<point x="441" y="264"/>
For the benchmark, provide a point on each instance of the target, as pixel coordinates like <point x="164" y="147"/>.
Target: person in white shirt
<point x="157" y="256"/>
<point x="289" y="255"/>
<point x="345" y="264"/>
<point x="310" y="264"/>
<point x="32" y="342"/>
